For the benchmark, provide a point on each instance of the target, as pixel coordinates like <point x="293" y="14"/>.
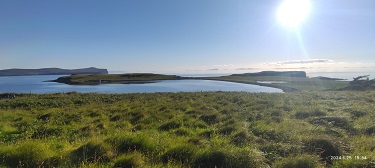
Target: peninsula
<point x="51" y="71"/>
<point x="95" y="79"/>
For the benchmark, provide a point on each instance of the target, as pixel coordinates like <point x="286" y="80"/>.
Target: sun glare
<point x="291" y="13"/>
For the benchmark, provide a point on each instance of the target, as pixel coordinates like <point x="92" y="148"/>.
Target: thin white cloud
<point x="244" y="69"/>
<point x="214" y="69"/>
<point x="308" y="61"/>
<point x="296" y="68"/>
<point x="225" y="65"/>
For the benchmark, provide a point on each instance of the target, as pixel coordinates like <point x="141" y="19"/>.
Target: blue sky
<point x="195" y="36"/>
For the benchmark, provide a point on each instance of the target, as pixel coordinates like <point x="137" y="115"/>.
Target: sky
<point x="191" y="36"/>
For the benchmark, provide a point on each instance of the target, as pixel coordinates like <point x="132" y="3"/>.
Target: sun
<point x="291" y="13"/>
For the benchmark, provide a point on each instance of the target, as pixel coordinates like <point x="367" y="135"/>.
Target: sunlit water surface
<point x="37" y="84"/>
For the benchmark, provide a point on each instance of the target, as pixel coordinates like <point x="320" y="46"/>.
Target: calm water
<point x="36" y="84"/>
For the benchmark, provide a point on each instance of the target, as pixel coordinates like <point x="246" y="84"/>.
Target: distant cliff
<point x="300" y="74"/>
<point x="51" y="71"/>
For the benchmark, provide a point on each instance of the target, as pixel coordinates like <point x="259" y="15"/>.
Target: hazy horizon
<point x="191" y="37"/>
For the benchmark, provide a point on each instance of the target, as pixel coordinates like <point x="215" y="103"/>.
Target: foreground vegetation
<point x="222" y="129"/>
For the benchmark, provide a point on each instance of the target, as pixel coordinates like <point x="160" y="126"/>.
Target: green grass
<point x="205" y="129"/>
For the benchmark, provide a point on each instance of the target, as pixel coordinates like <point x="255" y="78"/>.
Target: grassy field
<point x="208" y="129"/>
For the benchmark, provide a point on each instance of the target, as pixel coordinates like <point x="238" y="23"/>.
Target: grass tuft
<point x="183" y="154"/>
<point x="93" y="151"/>
<point x="323" y="147"/>
<point x="124" y="144"/>
<point x="302" y="161"/>
<point x="130" y="160"/>
<point x="28" y="154"/>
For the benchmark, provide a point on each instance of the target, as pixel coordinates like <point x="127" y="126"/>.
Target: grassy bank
<point x="223" y="129"/>
<point x="287" y="84"/>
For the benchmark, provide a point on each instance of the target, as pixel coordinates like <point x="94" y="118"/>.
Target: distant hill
<point x="51" y="71"/>
<point x="301" y="74"/>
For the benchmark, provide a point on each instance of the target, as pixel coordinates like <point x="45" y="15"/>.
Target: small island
<point x="96" y="79"/>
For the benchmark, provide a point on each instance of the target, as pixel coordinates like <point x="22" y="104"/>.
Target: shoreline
<point x="283" y="88"/>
